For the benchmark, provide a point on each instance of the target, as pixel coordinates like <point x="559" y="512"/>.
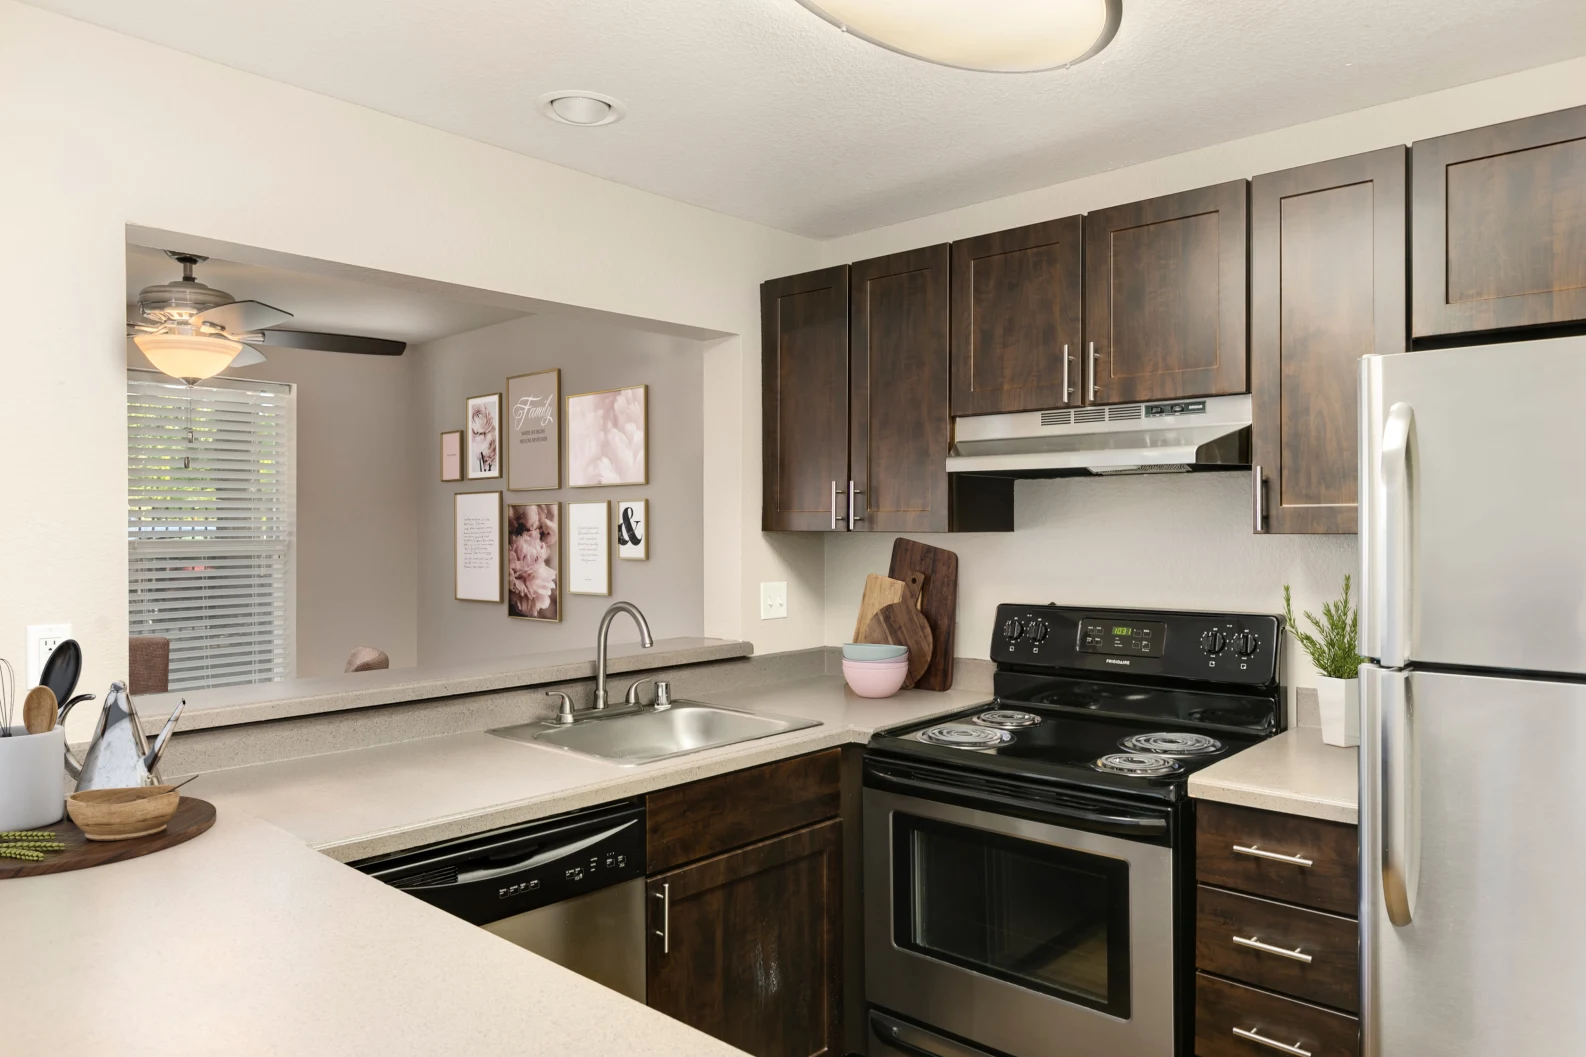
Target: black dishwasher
<point x="570" y="888"/>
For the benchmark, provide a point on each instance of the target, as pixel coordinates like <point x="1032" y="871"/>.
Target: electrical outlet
<point x="42" y="640"/>
<point x="773" y="600"/>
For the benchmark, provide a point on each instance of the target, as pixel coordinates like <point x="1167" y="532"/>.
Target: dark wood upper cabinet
<point x="1499" y="226"/>
<point x="1017" y="308"/>
<point x="899" y="424"/>
<point x="1165" y="297"/>
<point x="804" y="399"/>
<point x="747" y="946"/>
<point x="1327" y="286"/>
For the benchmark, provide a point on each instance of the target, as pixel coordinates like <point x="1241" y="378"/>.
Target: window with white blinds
<point x="211" y="522"/>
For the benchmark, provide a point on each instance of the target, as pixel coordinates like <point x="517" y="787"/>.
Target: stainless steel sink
<point x="644" y="736"/>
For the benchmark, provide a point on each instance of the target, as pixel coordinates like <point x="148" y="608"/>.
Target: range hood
<point x="1170" y="436"/>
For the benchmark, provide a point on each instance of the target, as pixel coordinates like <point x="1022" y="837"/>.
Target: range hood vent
<point x="1210" y="433"/>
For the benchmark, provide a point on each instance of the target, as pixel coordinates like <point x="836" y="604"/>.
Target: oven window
<point x="1048" y="918"/>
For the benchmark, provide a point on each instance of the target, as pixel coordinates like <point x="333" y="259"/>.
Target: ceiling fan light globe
<point x="190" y="357"/>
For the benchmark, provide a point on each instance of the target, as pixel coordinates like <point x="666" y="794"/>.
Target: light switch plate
<point x="42" y="640"/>
<point x="773" y="600"/>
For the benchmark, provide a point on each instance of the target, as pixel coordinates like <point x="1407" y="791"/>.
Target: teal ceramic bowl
<point x="872" y="651"/>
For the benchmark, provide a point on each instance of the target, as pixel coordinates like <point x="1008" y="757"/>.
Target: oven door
<point x="1018" y="920"/>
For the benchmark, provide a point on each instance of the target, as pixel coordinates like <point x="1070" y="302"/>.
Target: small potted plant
<point x="1333" y="650"/>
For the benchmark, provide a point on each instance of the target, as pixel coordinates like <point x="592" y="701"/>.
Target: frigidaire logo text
<point x="1117" y="660"/>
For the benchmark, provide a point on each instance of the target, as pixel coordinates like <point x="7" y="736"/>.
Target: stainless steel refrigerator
<point x="1473" y="705"/>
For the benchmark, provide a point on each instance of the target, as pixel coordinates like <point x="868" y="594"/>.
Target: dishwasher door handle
<point x="665" y="931"/>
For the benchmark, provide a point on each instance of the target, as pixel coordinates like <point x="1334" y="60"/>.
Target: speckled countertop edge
<point x="1294" y="773"/>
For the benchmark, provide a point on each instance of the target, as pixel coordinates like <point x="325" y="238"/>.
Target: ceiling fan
<point x="192" y="331"/>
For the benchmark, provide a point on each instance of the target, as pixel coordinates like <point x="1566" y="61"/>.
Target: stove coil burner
<point x="1137" y="764"/>
<point x="1178" y="745"/>
<point x="1007" y="719"/>
<point x="963" y="736"/>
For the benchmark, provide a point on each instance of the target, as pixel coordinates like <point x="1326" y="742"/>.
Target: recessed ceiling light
<point x="1011" y="36"/>
<point x="581" y="108"/>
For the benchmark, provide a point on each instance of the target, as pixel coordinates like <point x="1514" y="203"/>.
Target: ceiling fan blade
<point x="302" y="339"/>
<point x="247" y="357"/>
<point x="239" y="317"/>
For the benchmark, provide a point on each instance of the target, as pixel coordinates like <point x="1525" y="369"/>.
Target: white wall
<point x="92" y="144"/>
<point x="1161" y="541"/>
<point x="593" y="356"/>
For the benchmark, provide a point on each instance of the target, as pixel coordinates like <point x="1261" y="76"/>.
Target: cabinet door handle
<point x="1068" y="390"/>
<point x="1261" y="853"/>
<point x="852" y="517"/>
<point x="835" y="515"/>
<point x="665" y="931"/>
<point x="1259" y="484"/>
<point x="1256" y="1036"/>
<point x="1091" y="363"/>
<point x="1255" y="944"/>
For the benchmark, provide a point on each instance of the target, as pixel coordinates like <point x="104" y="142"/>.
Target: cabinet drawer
<point x="709" y="817"/>
<point x="1232" y="1020"/>
<point x="1298" y="860"/>
<point x="1323" y="959"/>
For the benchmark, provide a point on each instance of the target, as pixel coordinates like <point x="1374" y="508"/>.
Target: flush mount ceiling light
<point x="581" y="108"/>
<point x="1011" y="36"/>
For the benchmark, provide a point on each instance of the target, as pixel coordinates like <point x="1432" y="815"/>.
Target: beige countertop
<point x="246" y="941"/>
<point x="1294" y="773"/>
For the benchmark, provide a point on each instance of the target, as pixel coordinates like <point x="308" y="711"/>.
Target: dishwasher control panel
<point x="494" y="875"/>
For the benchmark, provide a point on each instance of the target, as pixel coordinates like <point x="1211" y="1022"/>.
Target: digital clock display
<point x="1145" y="639"/>
<point x="1122" y="629"/>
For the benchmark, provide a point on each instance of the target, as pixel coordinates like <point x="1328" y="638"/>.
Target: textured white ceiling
<point x="322" y="303"/>
<point x="759" y="109"/>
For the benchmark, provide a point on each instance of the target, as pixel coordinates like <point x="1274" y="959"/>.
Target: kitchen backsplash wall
<point x="593" y="354"/>
<point x="1178" y="541"/>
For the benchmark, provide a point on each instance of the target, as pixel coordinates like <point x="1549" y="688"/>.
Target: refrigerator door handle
<point x="1398" y="574"/>
<point x="1400" y="821"/>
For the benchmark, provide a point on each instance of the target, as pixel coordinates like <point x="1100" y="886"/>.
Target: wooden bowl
<point x="121" y="814"/>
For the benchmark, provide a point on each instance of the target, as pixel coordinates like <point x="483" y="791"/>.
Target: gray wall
<point x="593" y="354"/>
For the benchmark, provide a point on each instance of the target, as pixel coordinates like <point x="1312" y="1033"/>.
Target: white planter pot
<point x="32" y="779"/>
<point x="1339" y="700"/>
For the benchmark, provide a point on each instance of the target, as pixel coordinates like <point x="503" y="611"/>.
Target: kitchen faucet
<point x="600" y="643"/>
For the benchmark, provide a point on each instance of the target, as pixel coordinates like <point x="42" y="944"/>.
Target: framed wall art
<point x="589" y="548"/>
<point x="607" y="438"/>
<point x="452" y="455"/>
<point x="483" y="436"/>
<point x="633" y="530"/>
<point x="534" y="561"/>
<point x="476" y="546"/>
<point x="533" y="434"/>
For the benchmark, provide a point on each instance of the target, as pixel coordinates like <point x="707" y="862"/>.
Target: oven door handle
<point x="1073" y="816"/>
<point x="917" y="1041"/>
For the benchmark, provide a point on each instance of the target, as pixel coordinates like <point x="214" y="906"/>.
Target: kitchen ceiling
<point x="759" y="109"/>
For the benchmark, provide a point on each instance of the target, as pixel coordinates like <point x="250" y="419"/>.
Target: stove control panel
<point x="1210" y="647"/>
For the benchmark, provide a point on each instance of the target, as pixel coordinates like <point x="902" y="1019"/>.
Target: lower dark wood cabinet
<point x="747" y="946"/>
<point x="1232" y="1020"/>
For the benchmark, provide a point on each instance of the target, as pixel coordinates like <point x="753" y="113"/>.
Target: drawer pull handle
<point x="1261" y="853"/>
<point x="1255" y="944"/>
<point x="1255" y="1036"/>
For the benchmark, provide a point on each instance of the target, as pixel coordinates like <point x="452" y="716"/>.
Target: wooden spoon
<point x="39" y="709"/>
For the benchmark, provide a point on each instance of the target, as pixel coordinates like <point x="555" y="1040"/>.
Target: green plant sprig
<point x="11" y="836"/>
<point x="1334" y="649"/>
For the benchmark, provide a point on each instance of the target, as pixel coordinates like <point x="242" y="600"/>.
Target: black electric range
<point x="1029" y="862"/>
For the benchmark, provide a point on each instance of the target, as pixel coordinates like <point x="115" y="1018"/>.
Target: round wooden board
<point x="193" y="816"/>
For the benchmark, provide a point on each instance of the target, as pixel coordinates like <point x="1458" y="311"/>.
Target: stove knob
<point x="1038" y="632"/>
<point x="1012" y="630"/>
<point x="1246" y="644"/>
<point x="1213" y="642"/>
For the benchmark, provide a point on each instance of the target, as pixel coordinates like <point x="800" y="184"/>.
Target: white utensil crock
<point x="32" y="779"/>
<point x="1339" y="701"/>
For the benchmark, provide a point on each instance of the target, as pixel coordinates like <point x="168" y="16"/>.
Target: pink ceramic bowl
<point x="875" y="678"/>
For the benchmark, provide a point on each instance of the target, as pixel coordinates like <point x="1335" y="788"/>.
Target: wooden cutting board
<point x="902" y="624"/>
<point x="938" y="603"/>
<point x="193" y="816"/>
<point x="879" y="591"/>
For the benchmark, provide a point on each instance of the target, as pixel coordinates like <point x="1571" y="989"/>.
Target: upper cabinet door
<point x="1499" y="220"/>
<point x="898" y="369"/>
<point x="1016" y="315"/>
<point x="1165" y="297"/>
<point x="1327" y="286"/>
<point x="804" y="395"/>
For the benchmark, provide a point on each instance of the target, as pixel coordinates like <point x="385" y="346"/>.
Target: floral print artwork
<point x="484" y="436"/>
<point x="532" y="565"/>
<point x="606" y="438"/>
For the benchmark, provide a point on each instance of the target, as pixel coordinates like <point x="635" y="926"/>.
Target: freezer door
<point x="1473" y="886"/>
<point x="1473" y="510"/>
